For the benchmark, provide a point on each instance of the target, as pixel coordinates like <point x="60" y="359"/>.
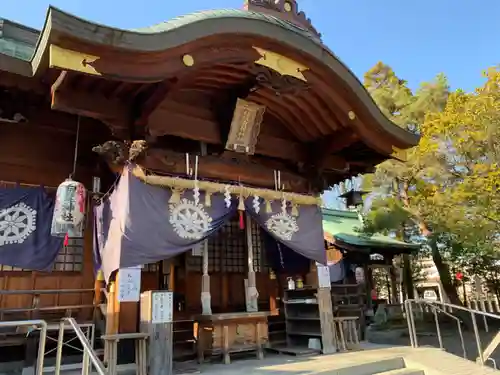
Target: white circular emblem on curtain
<point x="16" y="223"/>
<point x="189" y="220"/>
<point x="282" y="225"/>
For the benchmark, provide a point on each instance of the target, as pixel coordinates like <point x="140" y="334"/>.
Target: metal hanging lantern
<point x="353" y="198"/>
<point x="69" y="211"/>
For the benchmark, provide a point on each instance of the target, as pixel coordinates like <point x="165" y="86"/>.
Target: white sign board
<point x="359" y="274"/>
<point x="323" y="276"/>
<point x="129" y="284"/>
<point x="162" y="307"/>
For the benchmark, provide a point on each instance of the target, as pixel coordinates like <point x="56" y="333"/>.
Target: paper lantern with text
<point x="69" y="210"/>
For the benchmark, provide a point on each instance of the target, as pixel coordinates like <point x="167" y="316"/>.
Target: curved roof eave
<point x="183" y="30"/>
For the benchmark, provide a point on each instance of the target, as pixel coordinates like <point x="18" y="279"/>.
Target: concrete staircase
<point x="378" y="361"/>
<point x="370" y="360"/>
<point x="392" y="366"/>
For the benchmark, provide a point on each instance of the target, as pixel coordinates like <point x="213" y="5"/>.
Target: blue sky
<point x="419" y="39"/>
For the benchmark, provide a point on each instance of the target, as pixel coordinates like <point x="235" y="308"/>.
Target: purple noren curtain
<point x="303" y="234"/>
<point x="137" y="225"/>
<point x="25" y="221"/>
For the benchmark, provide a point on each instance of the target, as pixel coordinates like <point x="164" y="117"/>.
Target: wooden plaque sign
<point x="157" y="320"/>
<point x="245" y="127"/>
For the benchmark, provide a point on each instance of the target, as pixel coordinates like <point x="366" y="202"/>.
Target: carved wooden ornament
<point x="65" y="59"/>
<point x="245" y="127"/>
<point x="281" y="64"/>
<point x="284" y="9"/>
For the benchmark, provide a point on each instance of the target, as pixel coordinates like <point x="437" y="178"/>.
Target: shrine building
<point x="203" y="144"/>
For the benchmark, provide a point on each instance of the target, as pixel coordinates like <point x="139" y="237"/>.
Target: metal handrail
<point x="88" y="352"/>
<point x="433" y="304"/>
<point x="43" y="337"/>
<point x="435" y="311"/>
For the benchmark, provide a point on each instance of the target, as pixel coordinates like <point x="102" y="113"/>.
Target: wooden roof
<point x="327" y="120"/>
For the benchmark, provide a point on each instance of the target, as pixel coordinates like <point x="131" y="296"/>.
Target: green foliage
<point x="467" y="166"/>
<point x="389" y="92"/>
<point x="449" y="190"/>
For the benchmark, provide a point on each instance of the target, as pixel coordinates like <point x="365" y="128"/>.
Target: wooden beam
<point x="152" y="102"/>
<point x="213" y="167"/>
<point x="115" y="114"/>
<point x="66" y="99"/>
<point x="165" y="122"/>
<point x="98" y="107"/>
<point x="325" y="147"/>
<point x="30" y="84"/>
<point x="62" y="58"/>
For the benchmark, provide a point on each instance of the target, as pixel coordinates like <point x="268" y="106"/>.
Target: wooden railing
<point x="35" y="309"/>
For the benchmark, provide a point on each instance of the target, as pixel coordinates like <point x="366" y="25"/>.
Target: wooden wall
<point x="227" y="291"/>
<point x="34" y="155"/>
<point x="39" y="155"/>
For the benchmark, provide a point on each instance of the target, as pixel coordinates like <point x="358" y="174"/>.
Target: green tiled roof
<point x="16" y="49"/>
<point x="17" y="40"/>
<point x="344" y="226"/>
<point x="221" y="13"/>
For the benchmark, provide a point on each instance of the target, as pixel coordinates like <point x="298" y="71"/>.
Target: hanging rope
<point x="75" y="156"/>
<point x="71" y="176"/>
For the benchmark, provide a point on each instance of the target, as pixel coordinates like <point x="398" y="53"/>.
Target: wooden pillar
<point x="99" y="286"/>
<point x="368" y="284"/>
<point x="273" y="293"/>
<point x="394" y="284"/>
<point x="252" y="300"/>
<point x="407" y="277"/>
<point x="324" y="297"/>
<point x="206" y="298"/>
<point x="111" y="316"/>
<point x="116" y="306"/>
<point x="225" y="289"/>
<point x="126" y="312"/>
<point x="157" y="322"/>
<point x="171" y="276"/>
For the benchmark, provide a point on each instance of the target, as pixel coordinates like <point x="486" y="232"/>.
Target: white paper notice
<point x="129" y="284"/>
<point x="323" y="276"/>
<point x="162" y="307"/>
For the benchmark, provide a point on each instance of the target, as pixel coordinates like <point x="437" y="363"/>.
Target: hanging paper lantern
<point x="69" y="210"/>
